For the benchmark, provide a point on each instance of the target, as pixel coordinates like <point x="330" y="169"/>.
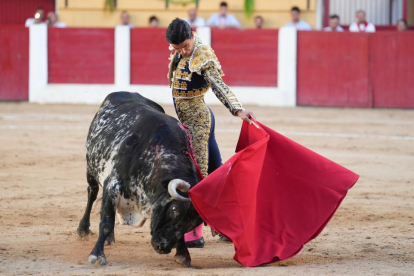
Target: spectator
<point x="296" y="22"/>
<point x="153" y="21"/>
<point x="334" y="24"/>
<point x="402" y="25"/>
<point x="52" y="21"/>
<point x="194" y="20"/>
<point x="222" y="19"/>
<point x="362" y="25"/>
<point x="38" y="17"/>
<point x="258" y="21"/>
<point x="125" y="20"/>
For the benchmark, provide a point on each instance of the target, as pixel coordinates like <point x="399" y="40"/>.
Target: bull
<point x="142" y="158"/>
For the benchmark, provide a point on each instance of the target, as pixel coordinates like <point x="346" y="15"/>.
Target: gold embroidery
<point x="201" y="57"/>
<point x="195" y="114"/>
<point x="190" y="106"/>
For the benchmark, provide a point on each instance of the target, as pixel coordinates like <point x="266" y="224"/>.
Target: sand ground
<point x="43" y="195"/>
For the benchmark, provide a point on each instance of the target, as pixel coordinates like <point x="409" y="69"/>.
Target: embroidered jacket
<point x="190" y="80"/>
<point x="194" y="76"/>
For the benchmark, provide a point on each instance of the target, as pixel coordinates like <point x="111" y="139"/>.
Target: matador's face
<point x="186" y="47"/>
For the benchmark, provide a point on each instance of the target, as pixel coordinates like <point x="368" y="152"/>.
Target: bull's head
<point x="170" y="221"/>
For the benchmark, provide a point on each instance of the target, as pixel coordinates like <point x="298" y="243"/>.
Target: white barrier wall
<point x="42" y="92"/>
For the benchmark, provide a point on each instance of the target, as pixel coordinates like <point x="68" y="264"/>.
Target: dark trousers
<point x="214" y="156"/>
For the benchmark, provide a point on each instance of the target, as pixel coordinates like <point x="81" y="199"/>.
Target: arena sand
<point x="43" y="195"/>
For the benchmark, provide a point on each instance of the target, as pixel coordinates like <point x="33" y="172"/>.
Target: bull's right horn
<point x="180" y="185"/>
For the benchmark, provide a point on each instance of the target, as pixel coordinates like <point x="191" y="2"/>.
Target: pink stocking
<point x="195" y="234"/>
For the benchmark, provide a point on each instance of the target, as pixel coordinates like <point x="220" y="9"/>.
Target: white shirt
<point x="129" y="25"/>
<point x="198" y="22"/>
<point x="29" y="22"/>
<point x="370" y="28"/>
<point x="300" y="26"/>
<point x="229" y="21"/>
<point x="59" y="25"/>
<point x="329" y="29"/>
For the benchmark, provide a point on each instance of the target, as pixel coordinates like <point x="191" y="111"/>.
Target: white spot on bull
<point x="128" y="212"/>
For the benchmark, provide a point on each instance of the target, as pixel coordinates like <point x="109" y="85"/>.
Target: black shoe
<point x="223" y="239"/>
<point x="199" y="243"/>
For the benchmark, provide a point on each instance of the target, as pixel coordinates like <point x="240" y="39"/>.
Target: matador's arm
<point x="213" y="76"/>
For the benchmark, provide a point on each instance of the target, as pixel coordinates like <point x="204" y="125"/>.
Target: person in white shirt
<point x="194" y="20"/>
<point x="52" y="21"/>
<point x="125" y="20"/>
<point x="38" y="18"/>
<point x="362" y="25"/>
<point x="222" y="19"/>
<point x="296" y="22"/>
<point x="333" y="24"/>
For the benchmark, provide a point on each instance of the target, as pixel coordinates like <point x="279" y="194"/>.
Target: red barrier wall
<point x="79" y="55"/>
<point x="247" y="57"/>
<point x="14" y="63"/>
<point x="392" y="69"/>
<point x="149" y="56"/>
<point x="355" y="70"/>
<point x="332" y="69"/>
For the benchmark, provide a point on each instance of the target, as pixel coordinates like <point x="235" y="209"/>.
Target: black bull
<point x="139" y="155"/>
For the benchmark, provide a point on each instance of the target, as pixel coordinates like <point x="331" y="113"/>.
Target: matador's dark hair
<point x="178" y="31"/>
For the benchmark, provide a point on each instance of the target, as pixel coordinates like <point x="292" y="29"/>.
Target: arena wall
<point x="137" y="60"/>
<point x="319" y="68"/>
<point x="14" y="63"/>
<point x="356" y="70"/>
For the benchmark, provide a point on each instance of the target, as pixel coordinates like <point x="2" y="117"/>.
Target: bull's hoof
<point x="102" y="259"/>
<point x="83" y="232"/>
<point x="182" y="260"/>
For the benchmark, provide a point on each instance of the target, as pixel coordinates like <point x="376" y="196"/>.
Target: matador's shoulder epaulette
<point x="202" y="56"/>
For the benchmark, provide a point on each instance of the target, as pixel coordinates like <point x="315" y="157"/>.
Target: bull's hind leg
<point x="182" y="256"/>
<point x="93" y="189"/>
<point x="107" y="224"/>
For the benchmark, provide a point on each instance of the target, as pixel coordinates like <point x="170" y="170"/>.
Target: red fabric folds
<point x="271" y="197"/>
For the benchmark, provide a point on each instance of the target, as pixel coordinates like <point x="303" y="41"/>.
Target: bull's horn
<point x="180" y="185"/>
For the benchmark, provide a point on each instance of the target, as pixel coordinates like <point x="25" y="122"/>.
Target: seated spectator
<point x="38" y="17"/>
<point x="153" y="21"/>
<point x="194" y="20"/>
<point x="222" y="19"/>
<point x="296" y="22"/>
<point x="402" y="25"/>
<point x="52" y="21"/>
<point x="125" y="20"/>
<point x="362" y="25"/>
<point x="333" y="24"/>
<point x="258" y="21"/>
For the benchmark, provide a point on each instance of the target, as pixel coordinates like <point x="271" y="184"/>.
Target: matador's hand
<point x="246" y="115"/>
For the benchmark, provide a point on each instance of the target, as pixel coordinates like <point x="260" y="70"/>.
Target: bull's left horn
<point x="180" y="185"/>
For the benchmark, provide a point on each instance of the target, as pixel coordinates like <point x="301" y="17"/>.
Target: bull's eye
<point x="174" y="212"/>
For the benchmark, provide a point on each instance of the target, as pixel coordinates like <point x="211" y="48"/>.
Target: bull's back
<point x="120" y="116"/>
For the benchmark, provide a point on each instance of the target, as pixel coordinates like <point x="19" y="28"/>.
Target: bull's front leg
<point x="106" y="227"/>
<point x="182" y="256"/>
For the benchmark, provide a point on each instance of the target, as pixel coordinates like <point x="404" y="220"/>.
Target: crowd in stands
<point x="225" y="20"/>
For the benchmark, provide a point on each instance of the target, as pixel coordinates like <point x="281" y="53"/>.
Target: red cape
<point x="271" y="197"/>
